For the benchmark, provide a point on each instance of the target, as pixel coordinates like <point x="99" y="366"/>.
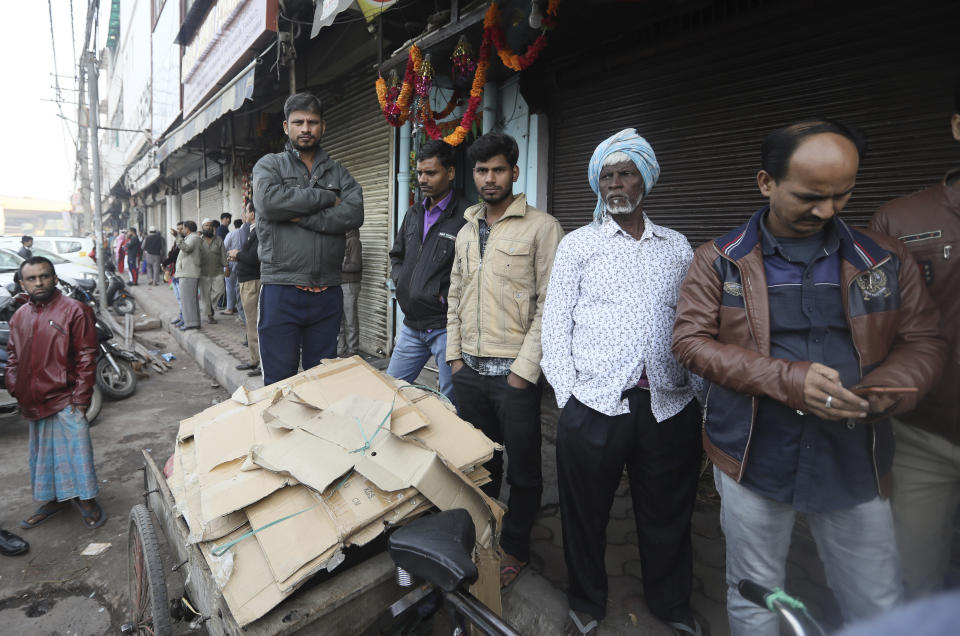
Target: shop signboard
<point x="222" y="45"/>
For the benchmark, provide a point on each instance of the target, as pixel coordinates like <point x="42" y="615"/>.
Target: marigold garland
<point x="396" y="108"/>
<point x="476" y="94"/>
<point x="491" y="22"/>
<point x="451" y="105"/>
<point x="395" y="101"/>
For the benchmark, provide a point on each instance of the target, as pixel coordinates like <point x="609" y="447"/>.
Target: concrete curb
<point x="211" y="357"/>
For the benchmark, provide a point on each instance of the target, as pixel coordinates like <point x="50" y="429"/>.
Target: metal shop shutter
<point x="706" y="101"/>
<point x="357" y="137"/>
<point x="211" y="195"/>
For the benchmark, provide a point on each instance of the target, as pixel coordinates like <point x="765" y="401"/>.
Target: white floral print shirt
<point x="609" y="315"/>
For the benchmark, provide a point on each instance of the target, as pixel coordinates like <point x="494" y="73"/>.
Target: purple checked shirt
<point x="432" y="213"/>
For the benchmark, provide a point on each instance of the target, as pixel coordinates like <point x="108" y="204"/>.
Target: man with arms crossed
<point x="784" y="316"/>
<point x="306" y="202"/>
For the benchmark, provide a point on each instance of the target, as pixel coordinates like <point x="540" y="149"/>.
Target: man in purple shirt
<point x="421" y="259"/>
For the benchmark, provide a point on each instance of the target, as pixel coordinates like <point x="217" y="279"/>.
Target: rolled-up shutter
<point x="357" y="138"/>
<point x="211" y="194"/>
<point x="706" y="101"/>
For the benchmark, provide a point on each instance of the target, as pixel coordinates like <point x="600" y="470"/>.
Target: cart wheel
<point x="148" y="589"/>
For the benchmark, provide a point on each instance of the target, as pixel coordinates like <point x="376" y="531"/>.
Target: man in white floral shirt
<point x="606" y="335"/>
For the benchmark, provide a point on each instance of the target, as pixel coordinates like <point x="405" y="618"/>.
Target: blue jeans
<point x="230" y="283"/>
<point x="175" y="282"/>
<point x="294" y="322"/>
<point x="413" y="349"/>
<point x="857" y="547"/>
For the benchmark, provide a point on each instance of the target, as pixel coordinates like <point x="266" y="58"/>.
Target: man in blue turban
<point x="625" y="146"/>
<point x="606" y="334"/>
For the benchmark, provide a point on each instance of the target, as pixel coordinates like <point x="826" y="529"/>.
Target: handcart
<point x="346" y="602"/>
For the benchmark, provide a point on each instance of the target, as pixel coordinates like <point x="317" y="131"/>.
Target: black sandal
<point x="45" y="511"/>
<point x="88" y="515"/>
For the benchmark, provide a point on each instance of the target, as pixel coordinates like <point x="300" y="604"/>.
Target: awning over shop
<point x="230" y="97"/>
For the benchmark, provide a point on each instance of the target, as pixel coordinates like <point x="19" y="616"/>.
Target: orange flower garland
<point x="476" y="93"/>
<point x="491" y="22"/>
<point x="397" y="109"/>
<point x="395" y="101"/>
<point x="451" y="105"/>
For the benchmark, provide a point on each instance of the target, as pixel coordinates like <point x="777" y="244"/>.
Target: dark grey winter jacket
<point x="308" y="251"/>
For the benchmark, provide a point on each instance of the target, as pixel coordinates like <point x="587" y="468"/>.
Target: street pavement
<point x="53" y="589"/>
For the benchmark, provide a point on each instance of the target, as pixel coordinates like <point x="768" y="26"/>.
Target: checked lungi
<point x="61" y="457"/>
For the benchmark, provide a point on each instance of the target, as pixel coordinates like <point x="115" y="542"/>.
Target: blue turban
<point x="634" y="146"/>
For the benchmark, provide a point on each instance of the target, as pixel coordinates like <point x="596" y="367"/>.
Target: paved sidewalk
<point x="535" y="603"/>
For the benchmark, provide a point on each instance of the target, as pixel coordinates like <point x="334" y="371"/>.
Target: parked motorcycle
<point x="85" y="290"/>
<point x="8" y="305"/>
<point x="117" y="296"/>
<point x="115" y="372"/>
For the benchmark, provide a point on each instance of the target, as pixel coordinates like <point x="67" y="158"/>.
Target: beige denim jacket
<point x="496" y="303"/>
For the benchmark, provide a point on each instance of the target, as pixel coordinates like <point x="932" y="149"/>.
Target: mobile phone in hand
<point x="864" y="391"/>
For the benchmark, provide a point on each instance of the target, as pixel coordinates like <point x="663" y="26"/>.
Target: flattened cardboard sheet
<point x="394" y="463"/>
<point x="350" y="422"/>
<point x="287" y="412"/>
<point x="227" y="488"/>
<point x="250" y="591"/>
<point x="189" y="505"/>
<point x="231" y="434"/>
<point x="295" y="541"/>
<point x="188" y="425"/>
<point x="311" y="460"/>
<point x="456" y="440"/>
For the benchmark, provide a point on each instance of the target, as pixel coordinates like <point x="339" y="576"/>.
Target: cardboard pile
<point x="316" y="463"/>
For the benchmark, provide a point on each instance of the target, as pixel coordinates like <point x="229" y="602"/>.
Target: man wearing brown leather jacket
<point x="51" y="371"/>
<point x="789" y="317"/>
<point x="926" y="464"/>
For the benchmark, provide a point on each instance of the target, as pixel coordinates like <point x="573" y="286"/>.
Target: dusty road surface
<point x="53" y="589"/>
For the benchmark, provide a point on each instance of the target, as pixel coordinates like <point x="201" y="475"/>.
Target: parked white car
<point x="10" y="263"/>
<point x="75" y="249"/>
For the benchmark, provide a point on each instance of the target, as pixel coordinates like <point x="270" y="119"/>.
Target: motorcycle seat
<point x="86" y="284"/>
<point x="437" y="548"/>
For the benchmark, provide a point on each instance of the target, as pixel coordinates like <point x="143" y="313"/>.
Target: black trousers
<point x="662" y="461"/>
<point x="510" y="417"/>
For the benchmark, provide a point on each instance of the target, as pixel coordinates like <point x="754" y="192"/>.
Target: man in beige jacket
<point x="498" y="285"/>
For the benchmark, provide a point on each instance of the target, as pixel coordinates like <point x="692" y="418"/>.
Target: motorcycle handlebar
<point x="754" y="592"/>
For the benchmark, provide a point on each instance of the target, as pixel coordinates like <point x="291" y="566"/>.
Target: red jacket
<point x="53" y="356"/>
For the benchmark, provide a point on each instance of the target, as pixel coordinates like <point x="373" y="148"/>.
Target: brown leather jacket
<point x="722" y="333"/>
<point x="928" y="223"/>
<point x="52" y="356"/>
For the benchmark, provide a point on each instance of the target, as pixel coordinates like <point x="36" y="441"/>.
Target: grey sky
<point x="38" y="154"/>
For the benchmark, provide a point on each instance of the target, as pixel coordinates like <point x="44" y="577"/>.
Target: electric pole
<point x="93" y="126"/>
<point x="83" y="153"/>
